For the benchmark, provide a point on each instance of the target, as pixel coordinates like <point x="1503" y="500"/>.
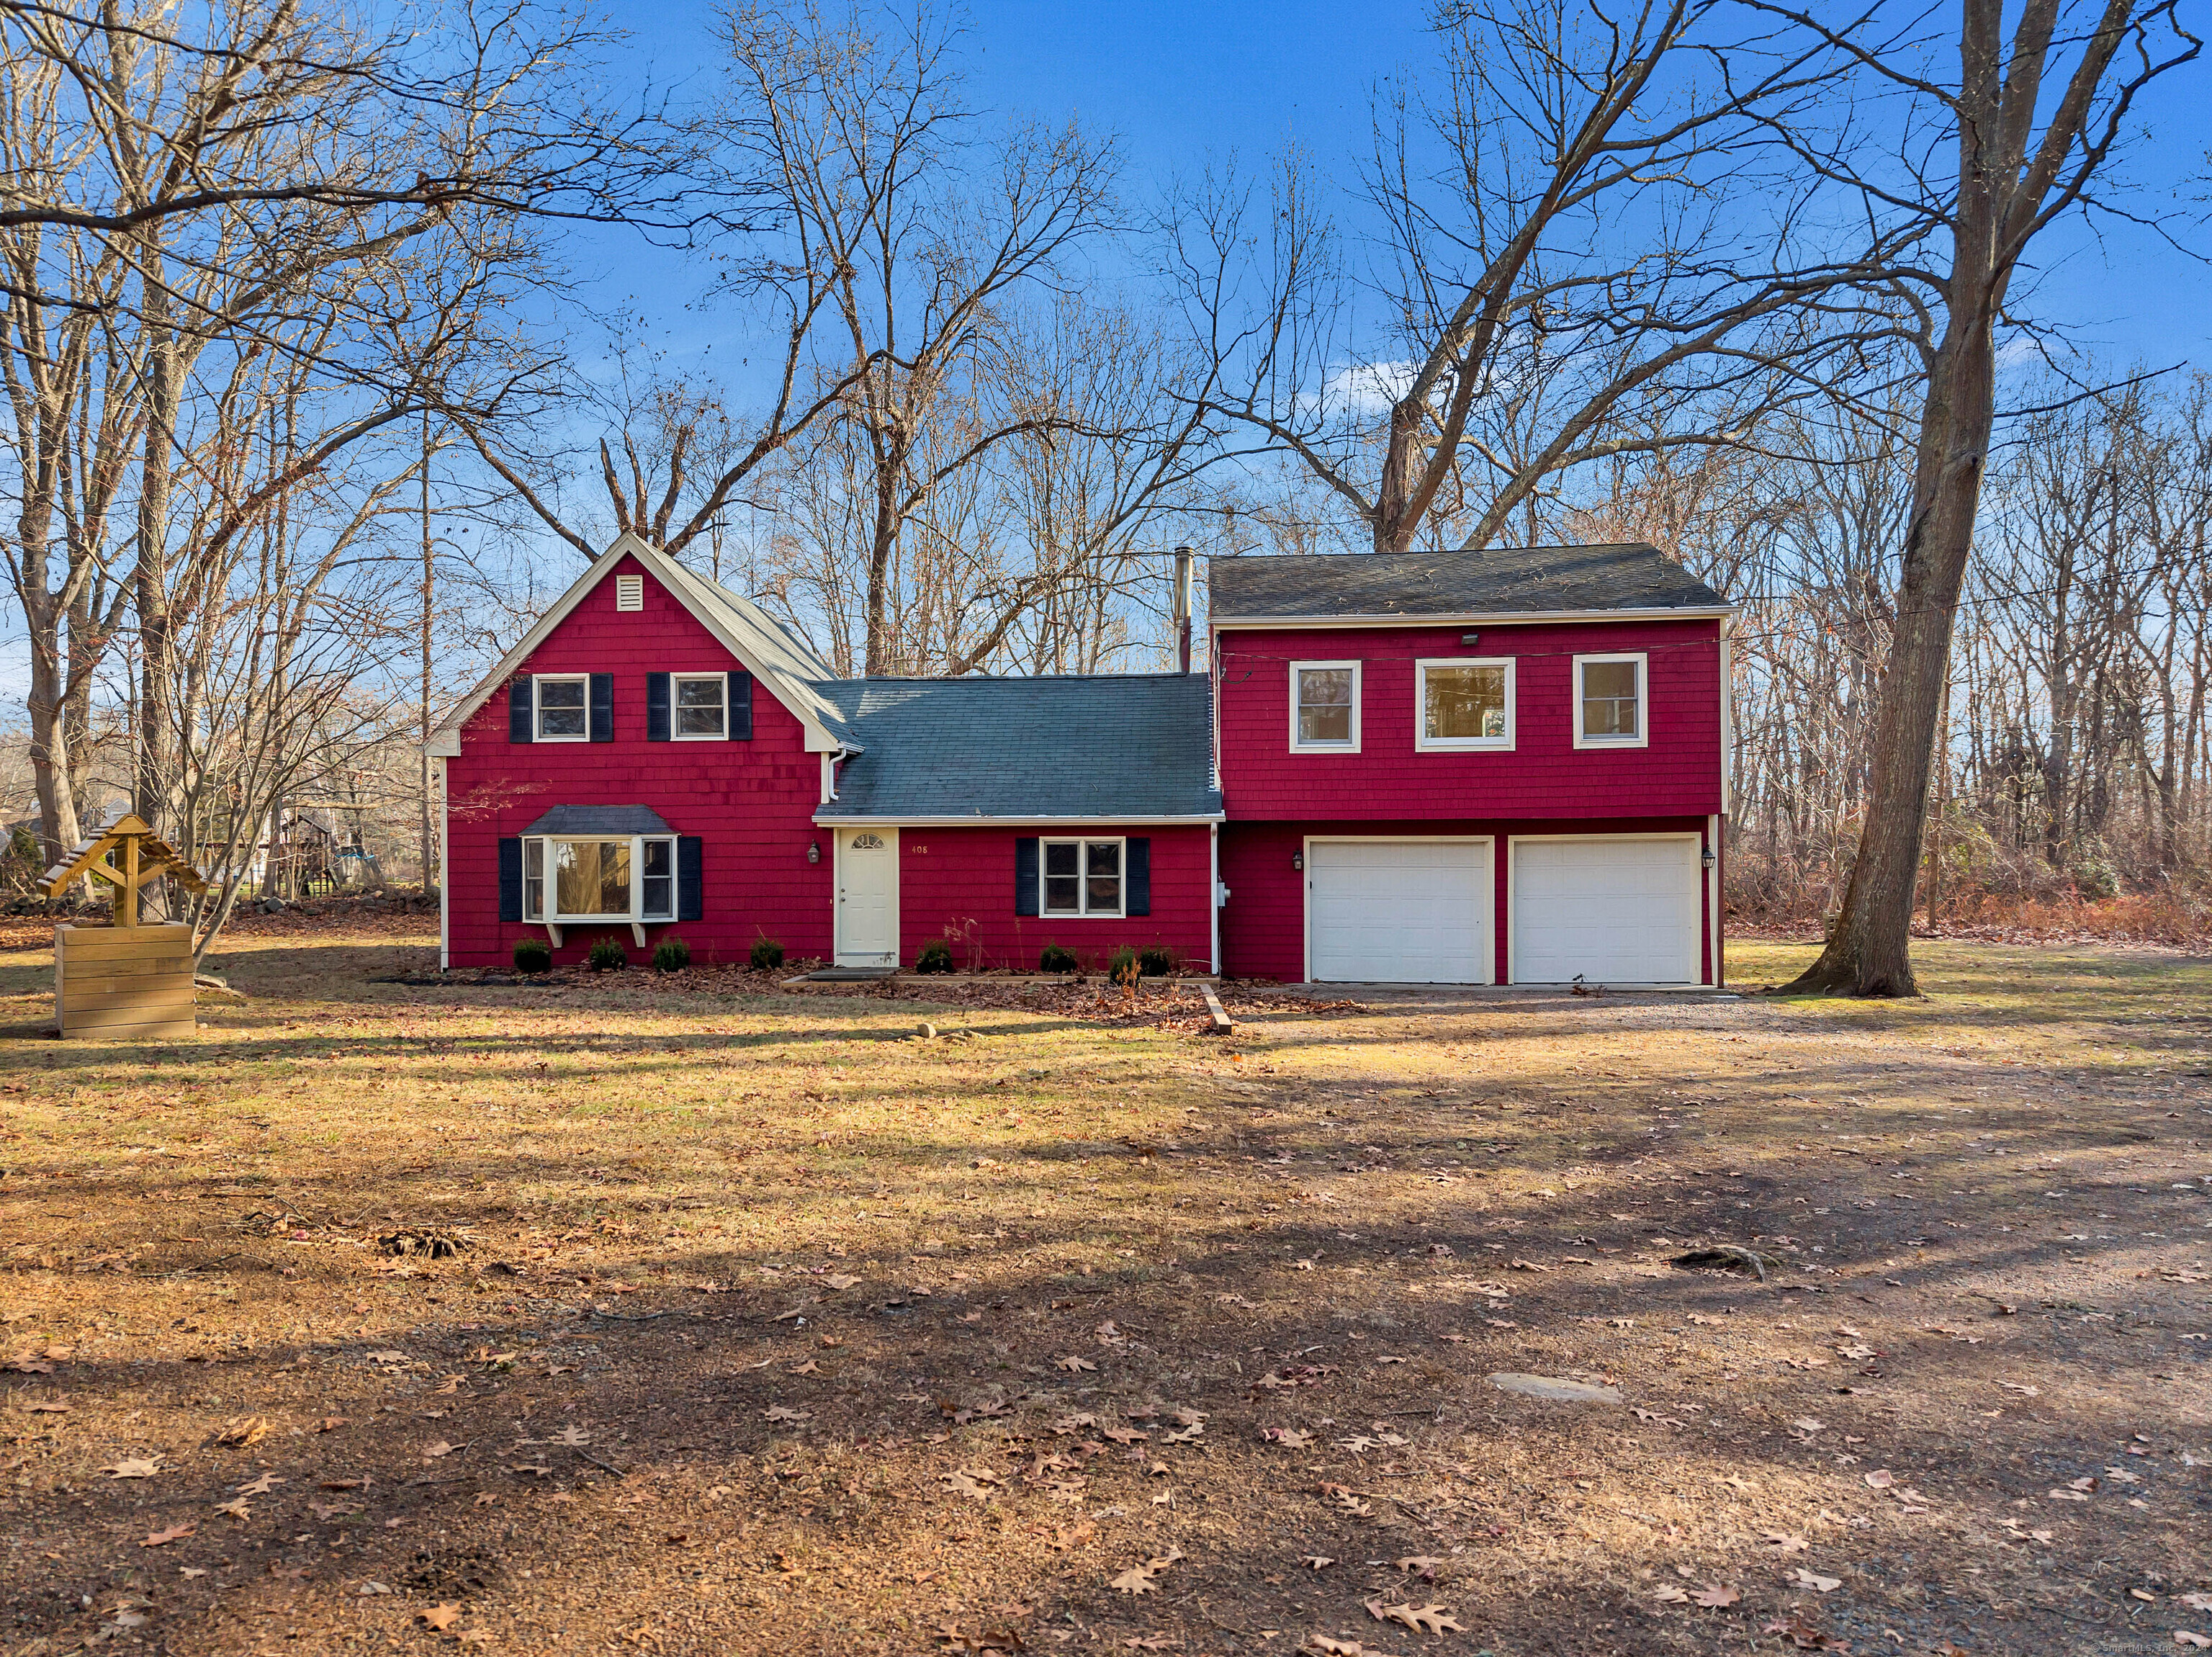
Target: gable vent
<point x="630" y="591"/>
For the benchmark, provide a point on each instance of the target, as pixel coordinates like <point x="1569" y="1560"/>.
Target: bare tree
<point x="1590" y="214"/>
<point x="2034" y="120"/>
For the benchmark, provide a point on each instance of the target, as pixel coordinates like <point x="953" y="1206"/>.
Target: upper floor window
<point x="1082" y="877"/>
<point x="628" y="879"/>
<point x="1466" y="703"/>
<point x="1325" y="707"/>
<point x="564" y="707"/>
<point x="702" y="706"/>
<point x="1610" y="698"/>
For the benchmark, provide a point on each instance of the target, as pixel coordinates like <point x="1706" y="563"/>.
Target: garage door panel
<point x="1623" y="911"/>
<point x="1398" y="911"/>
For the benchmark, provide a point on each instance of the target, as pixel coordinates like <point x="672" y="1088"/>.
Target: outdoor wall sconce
<point x="1298" y="860"/>
<point x="813" y="852"/>
<point x="1708" y="860"/>
<point x="1470" y="638"/>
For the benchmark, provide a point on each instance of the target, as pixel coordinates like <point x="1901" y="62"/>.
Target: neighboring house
<point x="1438" y="767"/>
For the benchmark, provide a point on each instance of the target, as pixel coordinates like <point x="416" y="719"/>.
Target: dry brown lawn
<point x="769" y="1327"/>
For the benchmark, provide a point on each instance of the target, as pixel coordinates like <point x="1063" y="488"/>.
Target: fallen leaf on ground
<point x="1671" y="1594"/>
<point x="1784" y="1543"/>
<point x="1071" y="1363"/>
<point x="779" y="1412"/>
<point x="260" y="1486"/>
<point x="1714" y="1595"/>
<point x="1882" y="1478"/>
<point x="1423" y="1619"/>
<point x="1315" y="1562"/>
<point x="441" y="1618"/>
<point x="1289" y="1437"/>
<point x="1819" y="1584"/>
<point x="1145" y="1578"/>
<point x="174" y="1533"/>
<point x="133" y="1467"/>
<point x="244" y="1431"/>
<point x="236" y="1507"/>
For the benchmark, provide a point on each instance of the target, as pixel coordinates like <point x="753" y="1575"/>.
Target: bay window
<point x="572" y="881"/>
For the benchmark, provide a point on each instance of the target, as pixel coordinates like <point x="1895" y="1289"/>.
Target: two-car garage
<point x="1609" y="908"/>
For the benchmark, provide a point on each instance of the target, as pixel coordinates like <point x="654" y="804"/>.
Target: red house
<point x="1506" y="766"/>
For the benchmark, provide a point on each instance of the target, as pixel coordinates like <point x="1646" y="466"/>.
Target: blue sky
<point x="1179" y="83"/>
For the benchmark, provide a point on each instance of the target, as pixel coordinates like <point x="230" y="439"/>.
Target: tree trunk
<point x="1868" y="953"/>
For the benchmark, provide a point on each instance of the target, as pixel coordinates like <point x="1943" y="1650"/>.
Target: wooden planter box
<point x="123" y="982"/>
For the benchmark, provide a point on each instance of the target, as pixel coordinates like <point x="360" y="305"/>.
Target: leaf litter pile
<point x="757" y="1322"/>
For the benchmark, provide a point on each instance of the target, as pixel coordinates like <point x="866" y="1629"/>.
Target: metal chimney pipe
<point x="1181" y="606"/>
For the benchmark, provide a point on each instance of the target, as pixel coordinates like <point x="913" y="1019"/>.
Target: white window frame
<point x="1083" y="911"/>
<point x="1357" y="695"/>
<point x="1642" y="737"/>
<point x="538" y="712"/>
<point x="548" y="911"/>
<point x="675" y="708"/>
<point x="1427" y="743"/>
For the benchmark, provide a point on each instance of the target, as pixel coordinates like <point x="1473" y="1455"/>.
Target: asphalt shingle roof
<point x="1497" y="580"/>
<point x="600" y="819"/>
<point x="1124" y="745"/>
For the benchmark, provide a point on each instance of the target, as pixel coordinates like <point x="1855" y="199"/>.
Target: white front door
<point x="867" y="896"/>
<point x="1398" y="911"/>
<point x="1620" y="909"/>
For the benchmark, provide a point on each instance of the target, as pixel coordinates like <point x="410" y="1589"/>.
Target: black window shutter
<point x="656" y="707"/>
<point x="510" y="878"/>
<point x="741" y="706"/>
<point x="1025" y="876"/>
<point x="690" y="901"/>
<point x="1136" y="876"/>
<point x="519" y="708"/>
<point x="603" y="707"/>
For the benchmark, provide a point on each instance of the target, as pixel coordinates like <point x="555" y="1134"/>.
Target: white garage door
<point x="1398" y="911"/>
<point x="1615" y="910"/>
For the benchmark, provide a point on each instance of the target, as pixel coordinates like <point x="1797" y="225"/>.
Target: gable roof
<point x="1111" y="746"/>
<point x="1457" y="585"/>
<point x="775" y="656"/>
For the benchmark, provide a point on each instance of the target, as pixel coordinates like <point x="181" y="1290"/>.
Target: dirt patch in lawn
<point x="637" y="1314"/>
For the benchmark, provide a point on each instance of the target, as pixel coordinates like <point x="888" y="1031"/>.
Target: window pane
<point x="533" y="898"/>
<point x="1063" y="883"/>
<point x="561" y="707"/>
<point x="1609" y="699"/>
<point x="1101" y="868"/>
<point x="1325" y="705"/>
<point x="699" y="706"/>
<point x="592" y="877"/>
<point x="1466" y="703"/>
<point x="659" y="891"/>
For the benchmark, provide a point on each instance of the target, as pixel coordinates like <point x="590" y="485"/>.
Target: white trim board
<point x="1474" y="618"/>
<point x="823" y="821"/>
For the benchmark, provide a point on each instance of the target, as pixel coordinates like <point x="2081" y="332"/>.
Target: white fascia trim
<point x="823" y="820"/>
<point x="445" y="742"/>
<point x="1474" y="618"/>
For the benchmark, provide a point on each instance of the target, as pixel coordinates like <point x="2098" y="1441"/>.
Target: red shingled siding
<point x="950" y="877"/>
<point x="1263" y="925"/>
<point x="751" y="802"/>
<point x="1544" y="775"/>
